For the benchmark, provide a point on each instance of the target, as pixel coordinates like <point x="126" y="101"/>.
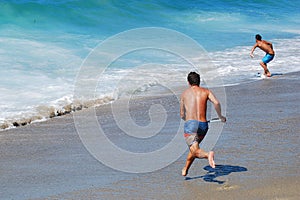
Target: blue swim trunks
<point x="194" y="131"/>
<point x="268" y="58"/>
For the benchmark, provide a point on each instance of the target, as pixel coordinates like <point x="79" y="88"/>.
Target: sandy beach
<point x="257" y="154"/>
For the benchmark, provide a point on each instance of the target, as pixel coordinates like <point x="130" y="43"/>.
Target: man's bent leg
<point x="266" y="70"/>
<point x="199" y="153"/>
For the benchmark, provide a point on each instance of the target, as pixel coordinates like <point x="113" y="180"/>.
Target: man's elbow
<point x="217" y="104"/>
<point x="182" y="116"/>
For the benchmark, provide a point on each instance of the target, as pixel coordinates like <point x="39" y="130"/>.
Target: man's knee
<point x="193" y="148"/>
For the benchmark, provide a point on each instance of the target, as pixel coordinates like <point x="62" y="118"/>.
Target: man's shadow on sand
<point x="220" y="170"/>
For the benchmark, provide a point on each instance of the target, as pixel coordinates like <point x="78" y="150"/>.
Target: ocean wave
<point x="67" y="105"/>
<point x="45" y="112"/>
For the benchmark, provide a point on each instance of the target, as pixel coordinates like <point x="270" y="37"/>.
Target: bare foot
<point x="267" y="73"/>
<point x="211" y="161"/>
<point x="184" y="172"/>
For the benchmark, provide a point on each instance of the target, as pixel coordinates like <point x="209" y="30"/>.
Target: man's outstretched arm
<point x="217" y="106"/>
<point x="252" y="50"/>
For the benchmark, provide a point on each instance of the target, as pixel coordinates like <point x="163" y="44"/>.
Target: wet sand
<point x="257" y="154"/>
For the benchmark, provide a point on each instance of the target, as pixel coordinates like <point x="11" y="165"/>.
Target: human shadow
<point x="220" y="170"/>
<point x="276" y="74"/>
<point x="272" y="74"/>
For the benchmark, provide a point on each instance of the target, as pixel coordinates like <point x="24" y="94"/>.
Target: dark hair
<point x="258" y="37"/>
<point x="193" y="78"/>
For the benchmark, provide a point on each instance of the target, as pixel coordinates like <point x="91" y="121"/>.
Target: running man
<point x="193" y="104"/>
<point x="266" y="47"/>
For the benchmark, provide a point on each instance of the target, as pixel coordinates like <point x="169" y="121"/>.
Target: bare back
<point x="265" y="46"/>
<point x="194" y="103"/>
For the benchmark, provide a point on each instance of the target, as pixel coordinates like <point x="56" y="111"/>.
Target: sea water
<point x="43" y="44"/>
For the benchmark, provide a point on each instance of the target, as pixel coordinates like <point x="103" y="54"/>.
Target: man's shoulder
<point x="266" y="42"/>
<point x="185" y="92"/>
<point x="204" y="89"/>
<point x="259" y="43"/>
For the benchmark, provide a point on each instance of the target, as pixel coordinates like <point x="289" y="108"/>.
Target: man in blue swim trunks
<point x="266" y="47"/>
<point x="193" y="105"/>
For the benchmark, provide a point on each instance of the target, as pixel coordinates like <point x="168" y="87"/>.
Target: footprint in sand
<point x="227" y="187"/>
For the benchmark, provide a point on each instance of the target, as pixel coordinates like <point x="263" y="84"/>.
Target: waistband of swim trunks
<point x="194" y="120"/>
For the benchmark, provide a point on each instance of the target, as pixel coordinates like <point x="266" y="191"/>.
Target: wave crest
<point x="45" y="112"/>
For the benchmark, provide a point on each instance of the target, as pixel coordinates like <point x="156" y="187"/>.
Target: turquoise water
<point x="231" y="23"/>
<point x="43" y="43"/>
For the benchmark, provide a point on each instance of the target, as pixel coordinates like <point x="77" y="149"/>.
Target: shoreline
<point x="43" y="113"/>
<point x="256" y="155"/>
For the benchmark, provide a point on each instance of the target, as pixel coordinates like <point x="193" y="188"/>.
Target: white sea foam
<point x="33" y="89"/>
<point x="235" y="65"/>
<point x="33" y="73"/>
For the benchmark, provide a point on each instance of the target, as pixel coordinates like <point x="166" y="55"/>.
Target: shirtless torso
<point x="265" y="46"/>
<point x="194" y="103"/>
